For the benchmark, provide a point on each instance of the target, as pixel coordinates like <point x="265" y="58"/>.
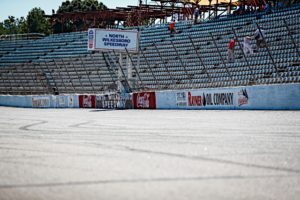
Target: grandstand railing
<point x="26" y="36"/>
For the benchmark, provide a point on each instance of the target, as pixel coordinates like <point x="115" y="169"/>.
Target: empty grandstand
<point x="193" y="58"/>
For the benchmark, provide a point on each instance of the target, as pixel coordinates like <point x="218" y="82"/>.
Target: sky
<point x="20" y="8"/>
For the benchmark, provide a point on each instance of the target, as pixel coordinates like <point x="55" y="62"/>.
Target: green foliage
<point x="76" y="6"/>
<point x="13" y="25"/>
<point x="81" y="5"/>
<point x="36" y="22"/>
<point x="22" y="26"/>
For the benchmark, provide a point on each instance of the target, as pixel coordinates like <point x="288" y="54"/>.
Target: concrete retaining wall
<point x="269" y="97"/>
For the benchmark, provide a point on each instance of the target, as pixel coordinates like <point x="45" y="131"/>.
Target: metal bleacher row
<point x="195" y="57"/>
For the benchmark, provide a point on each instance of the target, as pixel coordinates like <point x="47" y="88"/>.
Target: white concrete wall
<point x="270" y="97"/>
<point x="42" y="101"/>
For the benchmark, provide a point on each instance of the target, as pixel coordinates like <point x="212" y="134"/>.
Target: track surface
<point x="151" y="155"/>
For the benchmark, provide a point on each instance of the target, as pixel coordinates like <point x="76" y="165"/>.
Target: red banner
<point x="144" y="100"/>
<point x="87" y="101"/>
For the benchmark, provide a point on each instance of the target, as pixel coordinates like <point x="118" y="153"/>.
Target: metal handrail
<point x="292" y="38"/>
<point x="177" y="54"/>
<point x="201" y="61"/>
<point x="147" y="63"/>
<point x="97" y="70"/>
<point x="164" y="64"/>
<point x="213" y="39"/>
<point x="268" y="50"/>
<point x="62" y="60"/>
<point x="87" y="74"/>
<point x="245" y="57"/>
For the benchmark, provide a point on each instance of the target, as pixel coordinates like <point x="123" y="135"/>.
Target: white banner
<point x="40" y="102"/>
<point x="102" y="39"/>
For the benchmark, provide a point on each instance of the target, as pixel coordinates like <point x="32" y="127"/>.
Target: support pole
<point x="121" y="71"/>
<point x="135" y="68"/>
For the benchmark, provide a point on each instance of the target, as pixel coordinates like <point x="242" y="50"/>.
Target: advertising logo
<point x="194" y="100"/>
<point x="243" y="97"/>
<point x="91" y="39"/>
<point x="143" y="100"/>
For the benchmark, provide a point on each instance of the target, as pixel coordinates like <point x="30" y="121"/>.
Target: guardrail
<point x="26" y="36"/>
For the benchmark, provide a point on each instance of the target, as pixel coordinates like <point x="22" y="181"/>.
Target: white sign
<point x="40" y="102"/>
<point x="119" y="40"/>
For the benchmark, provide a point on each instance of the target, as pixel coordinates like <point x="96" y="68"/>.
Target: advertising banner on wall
<point x="61" y="101"/>
<point x="87" y="101"/>
<point x="108" y="39"/>
<point x="214" y="98"/>
<point x="144" y="100"/>
<point x="40" y="102"/>
<point x="211" y="98"/>
<point x="107" y="101"/>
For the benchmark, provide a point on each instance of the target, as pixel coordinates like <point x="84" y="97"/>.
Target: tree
<point x="81" y="5"/>
<point x="22" y="25"/>
<point x="2" y="30"/>
<point x="76" y="6"/>
<point x="37" y="22"/>
<point x="10" y="25"/>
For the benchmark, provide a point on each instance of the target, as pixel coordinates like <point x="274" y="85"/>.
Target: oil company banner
<point x="104" y="39"/>
<point x="213" y="98"/>
<point x="87" y="101"/>
<point x="144" y="100"/>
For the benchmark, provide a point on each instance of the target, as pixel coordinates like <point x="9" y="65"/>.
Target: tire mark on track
<point x="200" y="158"/>
<point x="28" y="127"/>
<point x="126" y="181"/>
<point x="80" y="124"/>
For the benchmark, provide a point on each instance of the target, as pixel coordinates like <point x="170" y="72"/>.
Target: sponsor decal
<point x="194" y="100"/>
<point x="91" y="39"/>
<point x="181" y="99"/>
<point x="60" y="101"/>
<point x="209" y="99"/>
<point x="223" y="98"/>
<point x="243" y="97"/>
<point x="87" y="101"/>
<point x="144" y="100"/>
<point x="107" y="101"/>
<point x="40" y="102"/>
<point x="70" y="102"/>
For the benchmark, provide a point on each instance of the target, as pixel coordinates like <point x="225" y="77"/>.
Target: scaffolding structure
<point x="147" y="13"/>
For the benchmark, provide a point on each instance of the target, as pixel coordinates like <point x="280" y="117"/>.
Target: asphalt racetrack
<point x="149" y="154"/>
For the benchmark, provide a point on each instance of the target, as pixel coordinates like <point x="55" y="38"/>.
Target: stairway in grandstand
<point x="194" y="58"/>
